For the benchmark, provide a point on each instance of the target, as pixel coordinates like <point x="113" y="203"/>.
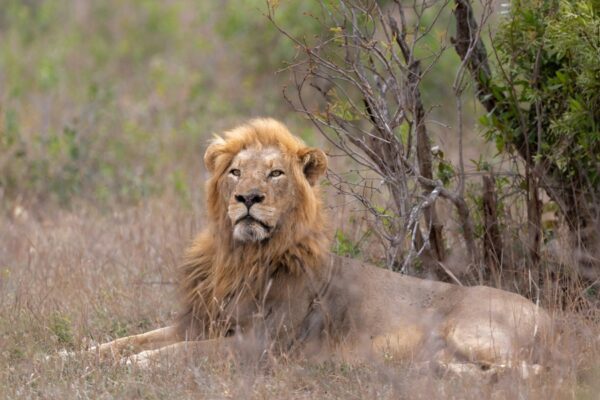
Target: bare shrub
<point x="361" y="82"/>
<point x="368" y="67"/>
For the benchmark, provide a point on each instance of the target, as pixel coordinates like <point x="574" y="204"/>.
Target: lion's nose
<point x="250" y="199"/>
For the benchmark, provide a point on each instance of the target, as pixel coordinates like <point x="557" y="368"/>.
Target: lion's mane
<point x="217" y="272"/>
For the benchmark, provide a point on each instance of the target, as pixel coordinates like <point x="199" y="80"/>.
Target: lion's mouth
<point x="249" y="218"/>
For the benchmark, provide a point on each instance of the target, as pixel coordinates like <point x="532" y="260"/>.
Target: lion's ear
<point x="213" y="151"/>
<point x="314" y="164"/>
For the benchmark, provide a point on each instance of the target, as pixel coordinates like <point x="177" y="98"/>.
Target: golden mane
<point x="216" y="272"/>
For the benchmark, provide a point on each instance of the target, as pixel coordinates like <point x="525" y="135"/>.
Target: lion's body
<point x="262" y="270"/>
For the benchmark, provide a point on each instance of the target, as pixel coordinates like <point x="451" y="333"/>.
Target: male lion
<point x="262" y="270"/>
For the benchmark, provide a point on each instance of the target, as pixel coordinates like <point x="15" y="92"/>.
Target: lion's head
<point x="265" y="214"/>
<point x="263" y="182"/>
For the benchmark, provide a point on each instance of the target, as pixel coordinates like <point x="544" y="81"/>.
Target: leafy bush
<point x="548" y="93"/>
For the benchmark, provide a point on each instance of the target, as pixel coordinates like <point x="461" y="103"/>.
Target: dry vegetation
<point x="104" y="111"/>
<point x="73" y="276"/>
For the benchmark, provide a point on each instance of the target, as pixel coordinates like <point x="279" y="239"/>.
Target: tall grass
<point x="68" y="278"/>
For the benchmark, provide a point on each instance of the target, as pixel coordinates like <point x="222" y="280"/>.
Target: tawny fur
<point x="216" y="272"/>
<point x="285" y="289"/>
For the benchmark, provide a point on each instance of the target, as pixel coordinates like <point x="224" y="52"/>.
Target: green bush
<point x="549" y="87"/>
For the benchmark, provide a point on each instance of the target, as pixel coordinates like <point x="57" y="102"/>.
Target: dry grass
<point x="68" y="277"/>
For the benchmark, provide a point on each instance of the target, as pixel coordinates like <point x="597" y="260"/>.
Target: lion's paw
<point x="141" y="360"/>
<point x="64" y="355"/>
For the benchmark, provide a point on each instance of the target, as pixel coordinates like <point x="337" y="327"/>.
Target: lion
<point x="262" y="270"/>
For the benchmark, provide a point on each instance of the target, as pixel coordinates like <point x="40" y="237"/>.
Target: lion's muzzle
<point x="251" y="217"/>
<point x="250" y="198"/>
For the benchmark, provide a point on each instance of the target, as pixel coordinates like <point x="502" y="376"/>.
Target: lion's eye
<point x="235" y="172"/>
<point x="275" y="173"/>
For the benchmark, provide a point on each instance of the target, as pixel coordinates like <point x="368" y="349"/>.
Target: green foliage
<point x="343" y="246"/>
<point x="445" y="172"/>
<point x="549" y="92"/>
<point x="60" y="325"/>
<point x="119" y="329"/>
<point x="342" y="108"/>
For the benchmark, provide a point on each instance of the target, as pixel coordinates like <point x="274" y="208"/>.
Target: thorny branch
<point x="369" y="78"/>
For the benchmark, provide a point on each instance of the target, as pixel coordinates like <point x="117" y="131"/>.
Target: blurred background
<point x="113" y="102"/>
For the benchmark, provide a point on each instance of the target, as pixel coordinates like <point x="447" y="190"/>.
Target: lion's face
<point x="259" y="190"/>
<point x="263" y="182"/>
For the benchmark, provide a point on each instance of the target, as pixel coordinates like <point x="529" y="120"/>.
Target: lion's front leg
<point x="118" y="348"/>
<point x="184" y="351"/>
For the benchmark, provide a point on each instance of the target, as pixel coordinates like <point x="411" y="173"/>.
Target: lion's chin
<point x="250" y="231"/>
